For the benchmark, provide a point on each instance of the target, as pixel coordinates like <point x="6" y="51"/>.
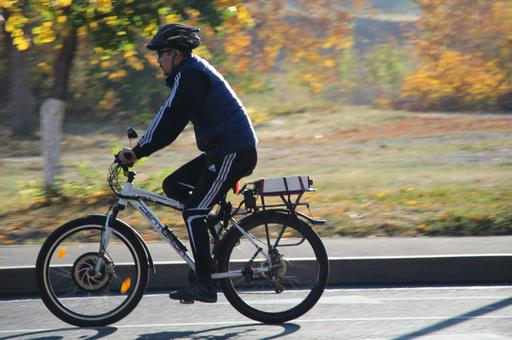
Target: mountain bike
<point x="269" y="262"/>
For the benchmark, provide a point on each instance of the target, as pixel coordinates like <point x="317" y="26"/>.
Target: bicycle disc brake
<point x="84" y="275"/>
<point x="279" y="269"/>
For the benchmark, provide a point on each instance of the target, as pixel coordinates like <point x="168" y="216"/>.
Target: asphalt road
<point x="483" y="312"/>
<point x="16" y="256"/>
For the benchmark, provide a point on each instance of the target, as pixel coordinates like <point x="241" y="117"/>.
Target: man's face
<point x="167" y="58"/>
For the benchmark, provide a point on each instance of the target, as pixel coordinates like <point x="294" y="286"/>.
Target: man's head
<point x="173" y="43"/>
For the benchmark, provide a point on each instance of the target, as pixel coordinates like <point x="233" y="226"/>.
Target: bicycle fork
<point x="105" y="237"/>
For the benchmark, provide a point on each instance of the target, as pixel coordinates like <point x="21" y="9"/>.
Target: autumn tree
<point x="21" y="101"/>
<point x="465" y="56"/>
<point x="260" y="37"/>
<point x="112" y="26"/>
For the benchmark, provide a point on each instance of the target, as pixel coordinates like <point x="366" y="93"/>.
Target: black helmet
<point x="175" y="36"/>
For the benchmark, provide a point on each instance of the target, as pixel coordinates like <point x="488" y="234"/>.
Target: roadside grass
<point x="378" y="173"/>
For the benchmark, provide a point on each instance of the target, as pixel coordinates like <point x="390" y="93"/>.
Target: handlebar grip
<point x="119" y="162"/>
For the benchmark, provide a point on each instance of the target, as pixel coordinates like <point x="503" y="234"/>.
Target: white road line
<point x="419" y="288"/>
<point x="250" y="322"/>
<point x="351" y="290"/>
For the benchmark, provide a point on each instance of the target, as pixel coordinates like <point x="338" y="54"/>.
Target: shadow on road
<point x="457" y="319"/>
<point x="100" y="333"/>
<point x="229" y="332"/>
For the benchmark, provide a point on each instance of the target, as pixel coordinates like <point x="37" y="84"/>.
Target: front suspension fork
<point x="105" y="237"/>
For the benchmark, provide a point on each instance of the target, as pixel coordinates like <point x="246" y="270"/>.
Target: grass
<point x="378" y="173"/>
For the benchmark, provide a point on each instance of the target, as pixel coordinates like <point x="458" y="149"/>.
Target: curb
<point x="382" y="270"/>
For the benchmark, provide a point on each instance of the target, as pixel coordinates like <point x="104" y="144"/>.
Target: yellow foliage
<point x="117" y="74"/>
<point x="278" y="37"/>
<point x="257" y="116"/>
<point x="104" y="6"/>
<point x="345" y="43"/>
<point x="382" y="194"/>
<point x="244" y="16"/>
<point x="8" y="4"/>
<point x="465" y="52"/>
<point x="43" y="66"/>
<point x="21" y="43"/>
<point x="109" y="101"/>
<point x="15" y="20"/>
<point x="150" y="30"/>
<point x="110" y="20"/>
<point x="172" y="18"/>
<point x="17" y="33"/>
<point x="329" y="62"/>
<point x="203" y="51"/>
<point x="129" y="53"/>
<point x="454" y="74"/>
<point x="105" y="64"/>
<point x="63" y="3"/>
<point x="134" y="63"/>
<point x="62" y="19"/>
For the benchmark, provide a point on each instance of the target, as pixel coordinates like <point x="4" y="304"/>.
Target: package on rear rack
<point x="283" y="185"/>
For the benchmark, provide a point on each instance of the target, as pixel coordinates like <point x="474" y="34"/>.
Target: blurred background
<point x="399" y="110"/>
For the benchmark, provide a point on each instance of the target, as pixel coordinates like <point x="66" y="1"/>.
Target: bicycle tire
<point x="49" y="247"/>
<point x="232" y="240"/>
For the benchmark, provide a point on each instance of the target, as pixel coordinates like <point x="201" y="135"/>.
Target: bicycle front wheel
<point x="75" y="288"/>
<point x="298" y="272"/>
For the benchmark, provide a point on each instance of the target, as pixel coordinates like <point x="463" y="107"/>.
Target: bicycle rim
<point x="72" y="287"/>
<point x="297" y="279"/>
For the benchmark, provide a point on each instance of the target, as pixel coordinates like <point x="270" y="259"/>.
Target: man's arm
<point x="187" y="95"/>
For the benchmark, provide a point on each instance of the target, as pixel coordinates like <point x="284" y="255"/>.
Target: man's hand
<point x="127" y="157"/>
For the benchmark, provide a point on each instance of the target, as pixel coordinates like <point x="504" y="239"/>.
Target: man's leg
<point x="218" y="177"/>
<point x="181" y="182"/>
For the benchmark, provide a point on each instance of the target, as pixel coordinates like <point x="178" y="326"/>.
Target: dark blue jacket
<point x="201" y="95"/>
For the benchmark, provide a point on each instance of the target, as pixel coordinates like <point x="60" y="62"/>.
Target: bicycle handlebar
<point x="120" y="163"/>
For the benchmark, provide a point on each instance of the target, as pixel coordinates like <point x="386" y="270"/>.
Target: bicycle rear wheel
<point x="299" y="274"/>
<point x="68" y="283"/>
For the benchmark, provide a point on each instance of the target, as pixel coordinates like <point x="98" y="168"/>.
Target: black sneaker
<point x="197" y="292"/>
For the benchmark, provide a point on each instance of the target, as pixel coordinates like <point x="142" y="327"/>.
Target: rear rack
<point x="290" y="194"/>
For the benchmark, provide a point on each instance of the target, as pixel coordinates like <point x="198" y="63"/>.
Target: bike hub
<point x="85" y="276"/>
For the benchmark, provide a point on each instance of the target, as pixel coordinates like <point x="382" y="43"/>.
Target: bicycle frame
<point x="135" y="196"/>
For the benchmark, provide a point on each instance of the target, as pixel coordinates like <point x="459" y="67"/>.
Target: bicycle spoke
<point x="71" y="273"/>
<point x="287" y="273"/>
<point x="279" y="237"/>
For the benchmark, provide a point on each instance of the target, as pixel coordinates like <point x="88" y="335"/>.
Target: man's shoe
<point x="197" y="292"/>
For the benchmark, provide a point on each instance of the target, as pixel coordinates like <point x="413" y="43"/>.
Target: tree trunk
<point x="52" y="114"/>
<point x="21" y="102"/>
<point x="63" y="64"/>
<point x="53" y="110"/>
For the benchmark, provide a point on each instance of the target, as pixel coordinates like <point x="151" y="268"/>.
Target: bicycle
<point x="93" y="271"/>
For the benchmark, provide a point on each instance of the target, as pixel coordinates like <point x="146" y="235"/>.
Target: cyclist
<point x="224" y="134"/>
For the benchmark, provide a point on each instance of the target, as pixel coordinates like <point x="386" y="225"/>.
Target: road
<point x="479" y="312"/>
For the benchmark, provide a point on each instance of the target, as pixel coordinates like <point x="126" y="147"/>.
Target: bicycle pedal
<point x="187" y="302"/>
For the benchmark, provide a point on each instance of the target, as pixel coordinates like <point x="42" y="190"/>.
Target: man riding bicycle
<point x="224" y="134"/>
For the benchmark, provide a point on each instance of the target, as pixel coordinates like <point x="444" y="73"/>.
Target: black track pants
<point x="201" y="183"/>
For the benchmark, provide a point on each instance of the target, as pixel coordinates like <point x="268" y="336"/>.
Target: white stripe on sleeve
<point x="148" y="136"/>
